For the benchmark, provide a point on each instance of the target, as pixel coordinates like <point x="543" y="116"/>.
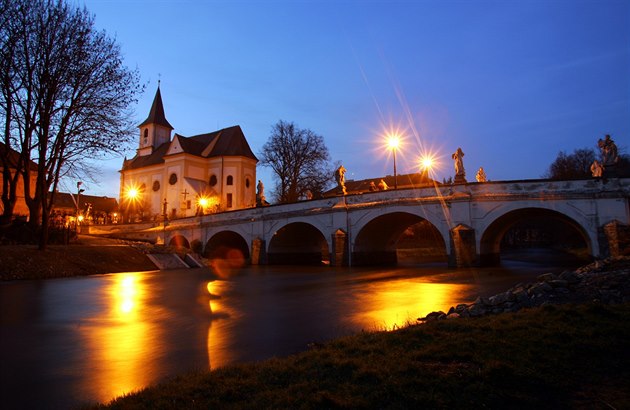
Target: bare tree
<point x="299" y="159"/>
<point x="10" y="162"/>
<point x="572" y="166"/>
<point x="578" y="165"/>
<point x="70" y="100"/>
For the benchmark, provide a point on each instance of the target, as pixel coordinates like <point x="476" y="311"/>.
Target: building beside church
<point x="182" y="176"/>
<point x="12" y="158"/>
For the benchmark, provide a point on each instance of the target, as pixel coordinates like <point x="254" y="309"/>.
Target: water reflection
<point x="94" y="338"/>
<point x="224" y="315"/>
<point x="391" y="305"/>
<point x="121" y="340"/>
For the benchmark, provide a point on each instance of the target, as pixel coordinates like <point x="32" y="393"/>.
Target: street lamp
<point x="393" y="142"/>
<point x="132" y="194"/>
<point x="203" y="203"/>
<point x="79" y="191"/>
<point x="165" y="214"/>
<point x="426" y="163"/>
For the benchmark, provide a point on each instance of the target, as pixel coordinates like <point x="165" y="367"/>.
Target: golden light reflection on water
<point x="121" y="344"/>
<point x="223" y="317"/>
<point x="390" y="305"/>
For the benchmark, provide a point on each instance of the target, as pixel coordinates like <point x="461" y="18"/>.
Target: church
<point x="178" y="176"/>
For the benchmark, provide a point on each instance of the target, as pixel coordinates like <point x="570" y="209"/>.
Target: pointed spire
<point x="156" y="115"/>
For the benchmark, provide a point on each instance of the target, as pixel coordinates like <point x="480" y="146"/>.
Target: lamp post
<point x="203" y="204"/>
<point x="393" y="142"/>
<point x="164" y="212"/>
<point x="79" y="190"/>
<point x="132" y="195"/>
<point x="426" y="163"/>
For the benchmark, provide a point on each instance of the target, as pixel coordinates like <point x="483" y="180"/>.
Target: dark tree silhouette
<point x="578" y="165"/>
<point x="300" y="161"/>
<point x="65" y="95"/>
<point x="572" y="166"/>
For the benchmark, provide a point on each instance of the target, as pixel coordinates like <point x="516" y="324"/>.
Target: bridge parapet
<point x="499" y="190"/>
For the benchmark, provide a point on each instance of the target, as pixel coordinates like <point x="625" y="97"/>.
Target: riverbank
<point x="563" y="355"/>
<point x="89" y="255"/>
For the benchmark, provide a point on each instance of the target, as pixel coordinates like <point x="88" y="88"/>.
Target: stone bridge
<point x="462" y="224"/>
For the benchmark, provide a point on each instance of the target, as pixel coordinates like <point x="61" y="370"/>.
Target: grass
<point x="550" y="357"/>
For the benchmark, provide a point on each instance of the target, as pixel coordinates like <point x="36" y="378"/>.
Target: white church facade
<point x="182" y="176"/>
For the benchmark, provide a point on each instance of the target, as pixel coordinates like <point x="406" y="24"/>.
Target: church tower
<point x="155" y="130"/>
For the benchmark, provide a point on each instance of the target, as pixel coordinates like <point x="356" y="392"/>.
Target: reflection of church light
<point x="122" y="343"/>
<point x="222" y="319"/>
<point x="128" y="294"/>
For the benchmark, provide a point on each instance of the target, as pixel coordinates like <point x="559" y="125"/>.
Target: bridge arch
<point x="227" y="245"/>
<point x="298" y="243"/>
<point x="535" y="228"/>
<point x="397" y="237"/>
<point x="179" y="241"/>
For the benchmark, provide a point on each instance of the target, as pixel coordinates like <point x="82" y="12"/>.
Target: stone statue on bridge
<point x="460" y="173"/>
<point x="340" y="177"/>
<point x="596" y="169"/>
<point x="609" y="155"/>
<point x="260" y="194"/>
<point x="481" y="175"/>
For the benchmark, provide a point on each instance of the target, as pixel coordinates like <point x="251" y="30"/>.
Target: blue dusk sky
<point x="510" y="82"/>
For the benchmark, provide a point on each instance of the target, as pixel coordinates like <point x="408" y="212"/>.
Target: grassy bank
<point x="87" y="256"/>
<point x="568" y="356"/>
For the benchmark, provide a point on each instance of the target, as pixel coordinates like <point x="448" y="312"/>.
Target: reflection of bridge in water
<point x="462" y="224"/>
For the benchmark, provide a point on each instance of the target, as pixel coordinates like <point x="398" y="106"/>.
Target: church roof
<point x="156" y="157"/>
<point x="228" y="142"/>
<point x="156" y="115"/>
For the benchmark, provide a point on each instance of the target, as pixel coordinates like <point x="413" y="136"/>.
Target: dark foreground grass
<point x="551" y="357"/>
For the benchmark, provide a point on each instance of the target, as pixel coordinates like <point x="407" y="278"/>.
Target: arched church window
<point x="156" y="185"/>
<point x="213" y="180"/>
<point x="146" y="136"/>
<point x="172" y="179"/>
<point x="246" y="182"/>
<point x="230" y="180"/>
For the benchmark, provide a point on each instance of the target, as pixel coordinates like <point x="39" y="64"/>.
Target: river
<point x="67" y="342"/>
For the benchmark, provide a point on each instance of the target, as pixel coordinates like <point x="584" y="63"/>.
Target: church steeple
<point x="156" y="115"/>
<point x="155" y="130"/>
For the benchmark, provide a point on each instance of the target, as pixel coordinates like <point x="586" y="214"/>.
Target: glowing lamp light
<point x="426" y="162"/>
<point x="132" y="193"/>
<point x="206" y="202"/>
<point x="393" y="142"/>
<point x="81" y="218"/>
